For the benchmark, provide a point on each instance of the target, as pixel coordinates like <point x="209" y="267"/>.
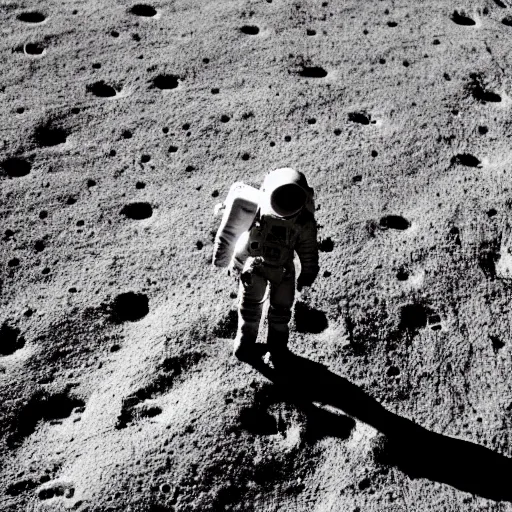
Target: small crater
<point x="462" y="19"/>
<point x="413" y="317"/>
<point x="139" y="185"/>
<point x="101" y="90"/>
<point x="497" y="343"/>
<point x="507" y="21"/>
<point x="10" y="340"/>
<point x="394" y="222"/>
<point x="130" y="306"/>
<point x="43" y="214"/>
<point x="224" y="118"/>
<point x="16" y="167"/>
<point x="374" y="154"/>
<point x="114" y="33"/>
<point x="309" y="320"/>
<point x="47" y="136"/>
<point x="479" y="91"/>
<point x="137" y="211"/>
<point x="326" y="245"/>
<point x="144" y="159"/>
<point x="482" y="130"/>
<point x="14" y="262"/>
<point x="227" y="326"/>
<point x="492" y="212"/>
<point x="126" y="134"/>
<point x="312" y="72"/>
<point x="250" y="30"/>
<point x="359" y="117"/>
<point x="357" y="179"/>
<point x="402" y="275"/>
<point x="392" y="24"/>
<point x="393" y="371"/>
<point x="39" y="246"/>
<point x="31" y="17"/>
<point x="173" y="149"/>
<point x="246" y="156"/>
<point x="165" y="82"/>
<point x="310" y="32"/>
<point x="258" y="422"/>
<point x="33" y="49"/>
<point x="465" y="159"/>
<point x="145" y="10"/>
<point x="499" y="3"/>
<point x="215" y="90"/>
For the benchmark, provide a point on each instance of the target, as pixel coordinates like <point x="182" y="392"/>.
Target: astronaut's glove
<point x="234" y="270"/>
<point x="305" y="280"/>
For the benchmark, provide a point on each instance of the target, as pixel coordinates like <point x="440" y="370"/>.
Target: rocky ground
<point x="123" y="124"/>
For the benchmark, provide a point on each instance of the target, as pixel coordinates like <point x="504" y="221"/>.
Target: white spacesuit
<point x="263" y="257"/>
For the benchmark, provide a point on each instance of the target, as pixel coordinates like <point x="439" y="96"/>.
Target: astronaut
<point x="284" y="223"/>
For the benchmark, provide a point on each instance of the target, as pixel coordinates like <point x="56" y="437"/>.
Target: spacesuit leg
<point x="279" y="313"/>
<point x="250" y="296"/>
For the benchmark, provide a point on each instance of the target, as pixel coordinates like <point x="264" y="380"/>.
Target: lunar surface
<point x="123" y="124"/>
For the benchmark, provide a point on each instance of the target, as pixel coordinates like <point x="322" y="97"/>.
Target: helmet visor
<point x="287" y="199"/>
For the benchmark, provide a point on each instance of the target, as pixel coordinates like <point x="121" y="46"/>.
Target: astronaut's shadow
<point x="414" y="450"/>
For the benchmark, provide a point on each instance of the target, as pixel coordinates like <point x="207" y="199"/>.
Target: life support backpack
<point x="240" y="208"/>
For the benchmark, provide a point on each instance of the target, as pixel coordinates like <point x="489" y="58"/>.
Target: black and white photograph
<point x="256" y="255"/>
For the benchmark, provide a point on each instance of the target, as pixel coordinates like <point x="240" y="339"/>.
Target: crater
<point x="164" y="82"/>
<point x="46" y="136"/>
<point x="359" y="117"/>
<point x="461" y="19"/>
<point x="499" y="3"/>
<point x="312" y="72"/>
<point x="394" y="222"/>
<point x="258" y="422"/>
<point x="507" y="21"/>
<point x="309" y="320"/>
<point x="326" y="245"/>
<point x="465" y="159"/>
<point x="413" y="317"/>
<point x="16" y="167"/>
<point x="479" y="92"/>
<point x="10" y="340"/>
<point x="145" y="10"/>
<point x="101" y="89"/>
<point x="33" y="49"/>
<point x="137" y="211"/>
<point x="250" y="30"/>
<point x="32" y="17"/>
<point x="130" y="307"/>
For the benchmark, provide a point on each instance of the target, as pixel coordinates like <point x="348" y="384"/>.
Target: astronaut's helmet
<point x="286" y="191"/>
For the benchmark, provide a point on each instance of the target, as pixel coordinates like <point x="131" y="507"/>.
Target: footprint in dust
<point x="51" y="408"/>
<point x="143" y="402"/>
<point x="56" y="490"/>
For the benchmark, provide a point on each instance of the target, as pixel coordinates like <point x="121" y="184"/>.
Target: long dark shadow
<point x="411" y="448"/>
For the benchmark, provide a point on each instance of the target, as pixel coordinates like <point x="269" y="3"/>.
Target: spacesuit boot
<point x="279" y="315"/>
<point x="251" y="296"/>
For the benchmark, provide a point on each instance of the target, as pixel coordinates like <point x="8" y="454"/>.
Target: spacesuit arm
<point x="307" y="251"/>
<point x="241" y="253"/>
